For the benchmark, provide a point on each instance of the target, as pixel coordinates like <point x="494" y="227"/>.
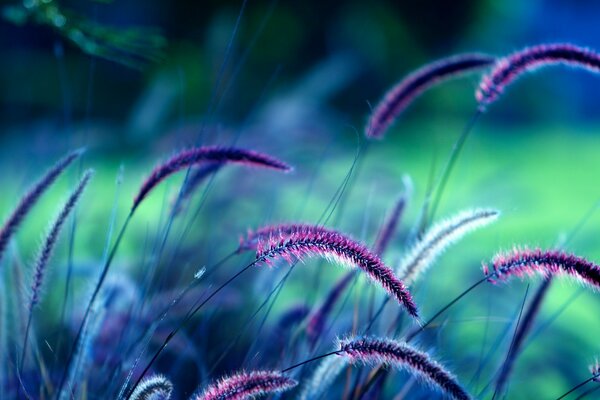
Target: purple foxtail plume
<point x="376" y="351"/>
<point x="309" y="241"/>
<point x="508" y="69"/>
<point x="546" y="263"/>
<point x="197" y="176"/>
<point x="404" y="92"/>
<point x="47" y="250"/>
<point x="200" y="155"/>
<point x="246" y="385"/>
<point x="437" y="239"/>
<point x="156" y="387"/>
<point x="31" y="197"/>
<point x="316" y="323"/>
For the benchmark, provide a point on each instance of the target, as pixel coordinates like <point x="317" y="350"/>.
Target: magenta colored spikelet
<point x="375" y="351"/>
<point x="52" y="238"/>
<point x="546" y="263"/>
<point x="199" y="155"/>
<point x="509" y="68"/>
<point x="247" y="385"/>
<point x="316" y="323"/>
<point x="404" y="92"/>
<point x="318" y="241"/>
<point x="31" y="197"/>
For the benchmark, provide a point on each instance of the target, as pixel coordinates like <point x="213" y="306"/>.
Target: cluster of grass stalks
<point x="159" y="336"/>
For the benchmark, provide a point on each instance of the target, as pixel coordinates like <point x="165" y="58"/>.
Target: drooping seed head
<point x="404" y="92"/>
<point x="399" y="355"/>
<point x="32" y="196"/>
<point x="508" y="69"/>
<point x="156" y="387"/>
<point x="308" y="241"/>
<point x="247" y="385"/>
<point x="207" y="154"/>
<point x="439" y="237"/>
<point x="525" y="262"/>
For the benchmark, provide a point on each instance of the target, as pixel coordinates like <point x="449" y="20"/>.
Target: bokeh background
<point x="296" y="79"/>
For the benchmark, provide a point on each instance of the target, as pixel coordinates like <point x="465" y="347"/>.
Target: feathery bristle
<point x="404" y="92"/>
<point x="508" y="69"/>
<point x="546" y="263"/>
<point x="437" y="239"/>
<point x="31" y="197"/>
<point x="318" y="241"/>
<point x="201" y="155"/>
<point x="375" y="351"/>
<point x="156" y="387"/>
<point x="247" y="385"/>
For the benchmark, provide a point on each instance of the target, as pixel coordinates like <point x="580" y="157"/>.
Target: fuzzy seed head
<point x="399" y="355"/>
<point x="438" y="238"/>
<point x="202" y="155"/>
<point x="247" y="385"/>
<point x="508" y="69"/>
<point x="307" y="241"/>
<point x="156" y="387"/>
<point x="32" y="196"/>
<point x="401" y="95"/>
<point x="525" y="262"/>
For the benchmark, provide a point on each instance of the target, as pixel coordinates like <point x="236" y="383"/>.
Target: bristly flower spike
<point x="247" y="385"/>
<point x="376" y="351"/>
<point x="508" y="69"/>
<point x="438" y="238"/>
<point x="200" y="155"/>
<point x="31" y="197"/>
<point x="318" y="241"/>
<point x="47" y="249"/>
<point x="404" y="92"/>
<point x="156" y="387"/>
<point x="522" y="262"/>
